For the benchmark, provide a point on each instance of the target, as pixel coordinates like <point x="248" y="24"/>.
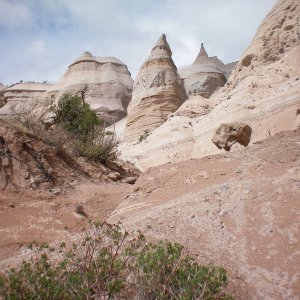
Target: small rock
<point x="131" y="180"/>
<point x="171" y="225"/>
<point x="11" y="205"/>
<point x="33" y="183"/>
<point x="55" y="191"/>
<point x="222" y="212"/>
<point x="80" y="210"/>
<point x="203" y="174"/>
<point x="114" y="176"/>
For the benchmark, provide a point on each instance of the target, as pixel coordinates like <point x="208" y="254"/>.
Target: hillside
<point x="238" y="209"/>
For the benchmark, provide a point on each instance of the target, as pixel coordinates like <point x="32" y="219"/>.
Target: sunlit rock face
<point x="157" y="92"/>
<point x="105" y="81"/>
<point x="20" y="94"/>
<point x="205" y="75"/>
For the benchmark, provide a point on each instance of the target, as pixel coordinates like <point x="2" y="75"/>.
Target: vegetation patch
<point x="109" y="263"/>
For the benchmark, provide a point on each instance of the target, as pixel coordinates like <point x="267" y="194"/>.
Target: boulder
<point x="157" y="92"/>
<point x="205" y="75"/>
<point x="227" y="135"/>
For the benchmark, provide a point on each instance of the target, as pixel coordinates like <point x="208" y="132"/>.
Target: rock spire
<point x="201" y="56"/>
<point x="157" y="92"/>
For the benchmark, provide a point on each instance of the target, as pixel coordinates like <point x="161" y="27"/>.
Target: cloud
<point x="40" y="38"/>
<point x="37" y="48"/>
<point x="14" y="14"/>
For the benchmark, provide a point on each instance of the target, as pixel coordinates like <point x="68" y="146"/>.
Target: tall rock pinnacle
<point x="201" y="56"/>
<point x="157" y="92"/>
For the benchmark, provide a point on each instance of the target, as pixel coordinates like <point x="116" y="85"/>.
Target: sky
<point x="40" y="38"/>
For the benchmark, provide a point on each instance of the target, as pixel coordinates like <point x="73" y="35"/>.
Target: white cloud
<point x="14" y="14"/>
<point x="60" y="30"/>
<point x="37" y="48"/>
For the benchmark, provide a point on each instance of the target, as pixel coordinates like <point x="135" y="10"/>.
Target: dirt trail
<point x="43" y="217"/>
<point x="40" y="190"/>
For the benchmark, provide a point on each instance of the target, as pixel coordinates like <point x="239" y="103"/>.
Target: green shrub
<point x="76" y="116"/>
<point x="75" y="126"/>
<point x="109" y="264"/>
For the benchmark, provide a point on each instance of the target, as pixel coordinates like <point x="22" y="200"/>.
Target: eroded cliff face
<point x="157" y="92"/>
<point x="262" y="92"/>
<point x="106" y="82"/>
<point x="278" y="33"/>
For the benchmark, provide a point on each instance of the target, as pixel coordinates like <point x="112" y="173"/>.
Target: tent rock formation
<point x="107" y="82"/>
<point x="205" y="75"/>
<point x="157" y="92"/>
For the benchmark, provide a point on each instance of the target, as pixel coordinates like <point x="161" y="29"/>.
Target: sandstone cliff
<point x="157" y="92"/>
<point x="262" y="92"/>
<point x="205" y="75"/>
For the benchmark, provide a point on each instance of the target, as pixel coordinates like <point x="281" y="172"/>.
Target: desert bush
<point x="102" y="148"/>
<point x="76" y="116"/>
<point x="74" y="127"/>
<point x="108" y="263"/>
<point x="89" y="137"/>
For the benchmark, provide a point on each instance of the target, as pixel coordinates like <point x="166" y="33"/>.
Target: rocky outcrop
<point x="260" y="92"/>
<point x="205" y="75"/>
<point x="227" y="135"/>
<point x="2" y="101"/>
<point x="157" y="92"/>
<point x="278" y="33"/>
<point x="19" y="93"/>
<point x="106" y="82"/>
